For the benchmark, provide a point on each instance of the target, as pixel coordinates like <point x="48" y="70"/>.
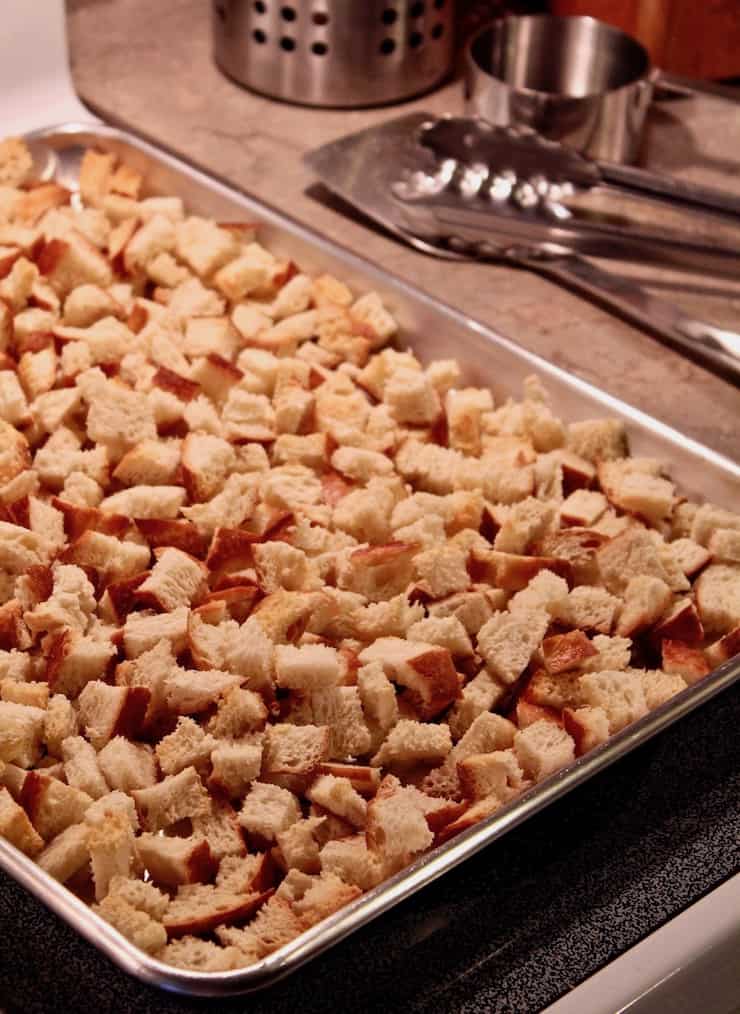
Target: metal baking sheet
<point x="432" y="329"/>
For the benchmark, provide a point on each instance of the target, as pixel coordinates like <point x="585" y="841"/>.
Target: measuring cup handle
<point x="677" y="85"/>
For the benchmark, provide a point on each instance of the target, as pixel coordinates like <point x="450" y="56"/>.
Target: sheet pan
<point x="433" y="330"/>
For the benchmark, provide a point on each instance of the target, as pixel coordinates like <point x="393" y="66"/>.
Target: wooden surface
<point x="148" y="66"/>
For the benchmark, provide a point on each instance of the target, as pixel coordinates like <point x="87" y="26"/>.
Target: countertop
<point x="535" y="913"/>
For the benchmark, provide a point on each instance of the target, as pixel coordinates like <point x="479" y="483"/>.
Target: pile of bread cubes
<point x="281" y="608"/>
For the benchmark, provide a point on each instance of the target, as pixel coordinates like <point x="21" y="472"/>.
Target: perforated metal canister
<point x="342" y="53"/>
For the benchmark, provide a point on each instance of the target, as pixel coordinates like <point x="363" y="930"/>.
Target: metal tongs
<point x="506" y="192"/>
<point x="459" y="188"/>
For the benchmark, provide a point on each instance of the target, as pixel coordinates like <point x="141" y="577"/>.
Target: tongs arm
<point x="670" y="190"/>
<point x="719" y="346"/>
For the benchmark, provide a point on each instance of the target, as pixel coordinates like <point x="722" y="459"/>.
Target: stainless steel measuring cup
<point x="576" y="80"/>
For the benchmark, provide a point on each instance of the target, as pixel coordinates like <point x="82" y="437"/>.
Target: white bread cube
<point x="150" y="463"/>
<point x="718" y="597"/>
<point x="187" y="745"/>
<point x="645" y="601"/>
<point x="13" y="403"/>
<point x="378" y="696"/>
<point x="199" y="955"/>
<point x="141" y="632"/>
<point x="239" y="713"/>
<point x="176" y="579"/>
<point x="66" y="854"/>
<point x="111" y="847"/>
<point x="203" y="246"/>
<point x="21" y="732"/>
<point x="620" y="694"/>
<point x="598" y="439"/>
<point x="446" y="632"/>
<point x="81" y="767"/>
<point x="298" y="846"/>
<point x="126" y="765"/>
<point x="410" y="742"/>
<point x="481" y="694"/>
<point x="339" y="709"/>
<point x="588" y="608"/>
<point x="292" y="754"/>
<point x="351" y="859"/>
<point x="175" y="797"/>
<point x="189" y="692"/>
<point x="338" y="796"/>
<point x="543" y="748"/>
<point x="508" y="641"/>
<point x="709" y="519"/>
<point x="442" y="570"/>
<point x="309" y="667"/>
<point x="633" y="553"/>
<point x="267" y="810"/>
<point x="134" y="924"/>
<point x="235" y="766"/>
<point x="396" y="827"/>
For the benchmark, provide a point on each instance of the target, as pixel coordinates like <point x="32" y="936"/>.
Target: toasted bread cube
<point x="681" y="659"/>
<point x="107" y="711"/>
<point x="15" y="826"/>
<point x="589" y="727"/>
<point x="174" y="861"/>
<point x="427" y="671"/>
<point x="51" y="805"/>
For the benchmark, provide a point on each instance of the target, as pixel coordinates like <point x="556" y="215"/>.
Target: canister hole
<point x="260" y="6"/>
<point x="387" y="46"/>
<point x="388" y="16"/>
<point x="287" y="44"/>
<point x="417" y="9"/>
<point x="415" y="40"/>
<point x="259" y="36"/>
<point x="320" y="18"/>
<point x="288" y="13"/>
<point x="438" y="31"/>
<point x="319" y="48"/>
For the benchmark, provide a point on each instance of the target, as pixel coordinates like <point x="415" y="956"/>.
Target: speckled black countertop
<point x="508" y="931"/>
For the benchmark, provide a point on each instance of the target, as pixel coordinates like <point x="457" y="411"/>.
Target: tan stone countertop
<point x="148" y="65"/>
